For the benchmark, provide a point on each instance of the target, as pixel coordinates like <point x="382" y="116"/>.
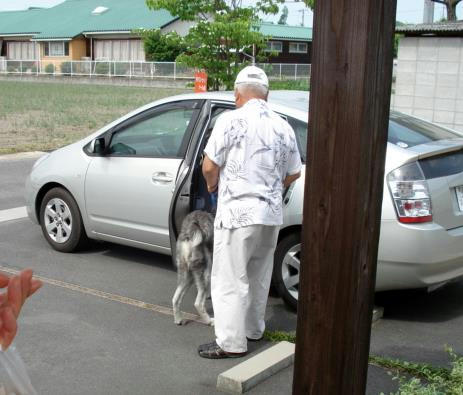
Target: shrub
<point x="102" y="68"/>
<point x="34" y="69"/>
<point x="24" y="68"/>
<point x="161" y="47"/>
<point x="120" y="68"/>
<point x="11" y="69"/>
<point x="50" y="68"/>
<point x="66" y="68"/>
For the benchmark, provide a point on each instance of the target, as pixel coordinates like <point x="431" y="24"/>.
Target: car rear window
<point x="442" y="165"/>
<point x="406" y="131"/>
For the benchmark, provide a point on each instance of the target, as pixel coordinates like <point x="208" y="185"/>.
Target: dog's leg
<point x="184" y="281"/>
<point x="200" y="302"/>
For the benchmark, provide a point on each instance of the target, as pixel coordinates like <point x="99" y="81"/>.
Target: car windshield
<point x="406" y="132"/>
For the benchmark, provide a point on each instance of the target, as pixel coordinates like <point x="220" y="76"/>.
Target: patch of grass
<point x="44" y="116"/>
<point x="298" y="85"/>
<point x="279" y="336"/>
<point x="418" y="370"/>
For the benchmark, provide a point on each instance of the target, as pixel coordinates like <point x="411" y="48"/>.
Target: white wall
<point x="181" y="27"/>
<point x="429" y="80"/>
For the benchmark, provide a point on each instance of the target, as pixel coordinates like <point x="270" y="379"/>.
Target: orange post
<point x="200" y="81"/>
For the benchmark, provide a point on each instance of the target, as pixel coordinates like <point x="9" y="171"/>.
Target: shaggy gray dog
<point x="194" y="262"/>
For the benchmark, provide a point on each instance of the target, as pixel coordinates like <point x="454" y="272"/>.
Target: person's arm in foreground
<point x="19" y="287"/>
<point x="211" y="174"/>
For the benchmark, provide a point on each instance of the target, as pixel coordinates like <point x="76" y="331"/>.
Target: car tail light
<point x="410" y="193"/>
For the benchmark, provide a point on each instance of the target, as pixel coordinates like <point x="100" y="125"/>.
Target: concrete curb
<point x="22" y="155"/>
<point x="378" y="313"/>
<point x="251" y="372"/>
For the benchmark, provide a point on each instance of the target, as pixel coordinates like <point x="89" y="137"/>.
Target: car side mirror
<point x="98" y="146"/>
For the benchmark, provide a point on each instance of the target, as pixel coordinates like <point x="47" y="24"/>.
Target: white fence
<point x="102" y="68"/>
<point x="286" y="71"/>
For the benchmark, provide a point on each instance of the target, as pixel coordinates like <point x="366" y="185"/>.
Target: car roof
<point x="292" y="103"/>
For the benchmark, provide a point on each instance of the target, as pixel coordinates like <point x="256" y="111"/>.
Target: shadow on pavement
<point x="130" y="254"/>
<point x="420" y="306"/>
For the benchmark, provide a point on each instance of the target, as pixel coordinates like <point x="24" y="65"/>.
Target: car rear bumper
<point x="418" y="256"/>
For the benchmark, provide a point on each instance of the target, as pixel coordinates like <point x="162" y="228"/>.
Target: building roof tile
<point x="429" y="28"/>
<point x="74" y="17"/>
<point x="300" y="33"/>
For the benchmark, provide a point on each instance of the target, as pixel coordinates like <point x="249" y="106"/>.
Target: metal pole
<point x="280" y="71"/>
<point x="428" y="12"/>
<point x="37" y="55"/>
<point x="295" y="72"/>
<point x="352" y="68"/>
<point x="175" y="71"/>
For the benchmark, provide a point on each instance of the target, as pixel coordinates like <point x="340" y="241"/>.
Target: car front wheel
<point x="286" y="269"/>
<point x="61" y="221"/>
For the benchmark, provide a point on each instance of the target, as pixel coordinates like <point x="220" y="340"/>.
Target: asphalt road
<point x="84" y="333"/>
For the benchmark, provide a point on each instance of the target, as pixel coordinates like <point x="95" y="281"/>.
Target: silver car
<point x="133" y="181"/>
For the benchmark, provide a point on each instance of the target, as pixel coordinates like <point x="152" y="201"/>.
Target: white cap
<point x="252" y="75"/>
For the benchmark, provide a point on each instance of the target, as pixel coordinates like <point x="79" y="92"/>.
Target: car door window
<point x="300" y="130"/>
<point x="160" y="135"/>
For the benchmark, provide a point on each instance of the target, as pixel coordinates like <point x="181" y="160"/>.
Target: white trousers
<point x="240" y="281"/>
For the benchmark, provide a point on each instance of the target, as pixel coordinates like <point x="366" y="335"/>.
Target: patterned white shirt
<point x="255" y="149"/>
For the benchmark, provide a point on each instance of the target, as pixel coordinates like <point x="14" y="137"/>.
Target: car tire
<point x="61" y="221"/>
<point x="286" y="269"/>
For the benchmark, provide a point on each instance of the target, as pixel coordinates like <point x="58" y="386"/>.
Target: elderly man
<point x="250" y="158"/>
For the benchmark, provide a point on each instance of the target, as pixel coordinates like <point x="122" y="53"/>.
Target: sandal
<point x="250" y="339"/>
<point x="213" y="351"/>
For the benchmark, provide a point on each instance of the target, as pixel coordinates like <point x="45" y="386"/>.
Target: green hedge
<point x="50" y="68"/>
<point x="293" y="85"/>
<point x="66" y="68"/>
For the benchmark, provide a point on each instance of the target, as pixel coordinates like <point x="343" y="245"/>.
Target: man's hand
<point x="211" y="174"/>
<point x="290" y="179"/>
<point x="19" y="287"/>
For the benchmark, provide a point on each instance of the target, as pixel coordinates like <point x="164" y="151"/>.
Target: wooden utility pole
<point x="349" y="108"/>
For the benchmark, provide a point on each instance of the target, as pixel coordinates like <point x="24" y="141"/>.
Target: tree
<point x="451" y="6"/>
<point x="161" y="47"/>
<point x="310" y="3"/>
<point x="223" y="31"/>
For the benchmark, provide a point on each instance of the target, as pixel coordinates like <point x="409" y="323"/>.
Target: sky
<point x="410" y="11"/>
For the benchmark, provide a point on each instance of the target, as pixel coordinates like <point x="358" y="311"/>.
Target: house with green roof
<point x="292" y="44"/>
<point x="103" y="30"/>
<point x="77" y="29"/>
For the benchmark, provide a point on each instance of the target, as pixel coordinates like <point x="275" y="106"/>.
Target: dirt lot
<point x="40" y="116"/>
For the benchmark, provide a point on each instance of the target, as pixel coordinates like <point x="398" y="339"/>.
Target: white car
<point x="133" y="181"/>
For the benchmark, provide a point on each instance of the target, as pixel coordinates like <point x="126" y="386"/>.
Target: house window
<point x="119" y="50"/>
<point x="24" y="50"/>
<point x="274" y="46"/>
<point x="57" y="48"/>
<point x="297" y="47"/>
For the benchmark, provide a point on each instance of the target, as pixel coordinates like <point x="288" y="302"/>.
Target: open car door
<point x="183" y="199"/>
